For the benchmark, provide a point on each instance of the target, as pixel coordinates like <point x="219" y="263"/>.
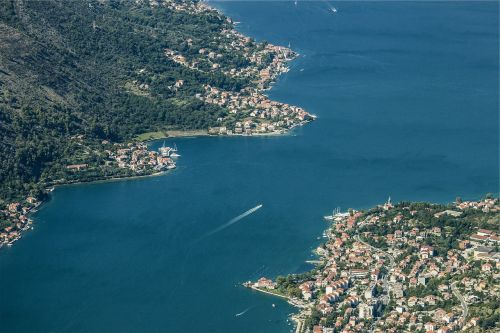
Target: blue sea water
<point x="406" y="95"/>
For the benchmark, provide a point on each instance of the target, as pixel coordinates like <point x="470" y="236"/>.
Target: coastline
<point x="169" y="134"/>
<point x="110" y="179"/>
<point x="30" y="223"/>
<point x="204" y="133"/>
<point x="324" y="150"/>
<point x="298" y="318"/>
<point x="250" y="126"/>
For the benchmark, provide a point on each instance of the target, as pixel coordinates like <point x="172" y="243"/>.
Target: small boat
<point x="171" y="166"/>
<point x="334" y="10"/>
<point x="335" y="214"/>
<point x="165" y="151"/>
<point x="274" y="305"/>
<point x="174" y="155"/>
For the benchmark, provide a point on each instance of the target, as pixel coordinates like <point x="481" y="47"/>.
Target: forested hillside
<point x="97" y="70"/>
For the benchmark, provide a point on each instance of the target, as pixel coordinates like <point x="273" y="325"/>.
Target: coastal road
<point x="457" y="294"/>
<point x="391" y="258"/>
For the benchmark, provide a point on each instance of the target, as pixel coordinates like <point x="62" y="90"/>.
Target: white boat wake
<point x="243" y="312"/>
<point x="231" y="222"/>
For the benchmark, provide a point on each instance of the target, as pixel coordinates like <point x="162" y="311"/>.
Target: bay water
<point x="406" y="95"/>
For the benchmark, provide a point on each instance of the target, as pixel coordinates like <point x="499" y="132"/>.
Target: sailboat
<point x="174" y="152"/>
<point x="165" y="151"/>
<point x="334" y="213"/>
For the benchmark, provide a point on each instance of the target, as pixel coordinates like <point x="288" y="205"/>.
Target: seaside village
<point x="138" y="158"/>
<point x="254" y="112"/>
<point x="135" y="157"/>
<point x="392" y="270"/>
<point x="17" y="214"/>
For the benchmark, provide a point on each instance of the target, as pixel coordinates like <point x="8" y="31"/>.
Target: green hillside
<point x="98" y="70"/>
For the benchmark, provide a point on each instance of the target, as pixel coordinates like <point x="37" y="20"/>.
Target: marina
<point x="336" y="215"/>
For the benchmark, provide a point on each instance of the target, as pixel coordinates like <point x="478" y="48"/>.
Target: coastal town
<point x="249" y="111"/>
<point x="397" y="268"/>
<point x="260" y="114"/>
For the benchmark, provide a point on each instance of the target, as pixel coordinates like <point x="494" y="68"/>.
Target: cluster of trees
<point x="489" y="315"/>
<point x="289" y="285"/>
<point x="64" y="69"/>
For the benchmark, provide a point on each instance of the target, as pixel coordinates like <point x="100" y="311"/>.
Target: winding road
<point x="387" y="297"/>
<point x="465" y="308"/>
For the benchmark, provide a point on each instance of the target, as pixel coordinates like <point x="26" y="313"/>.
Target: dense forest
<point x="72" y="68"/>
